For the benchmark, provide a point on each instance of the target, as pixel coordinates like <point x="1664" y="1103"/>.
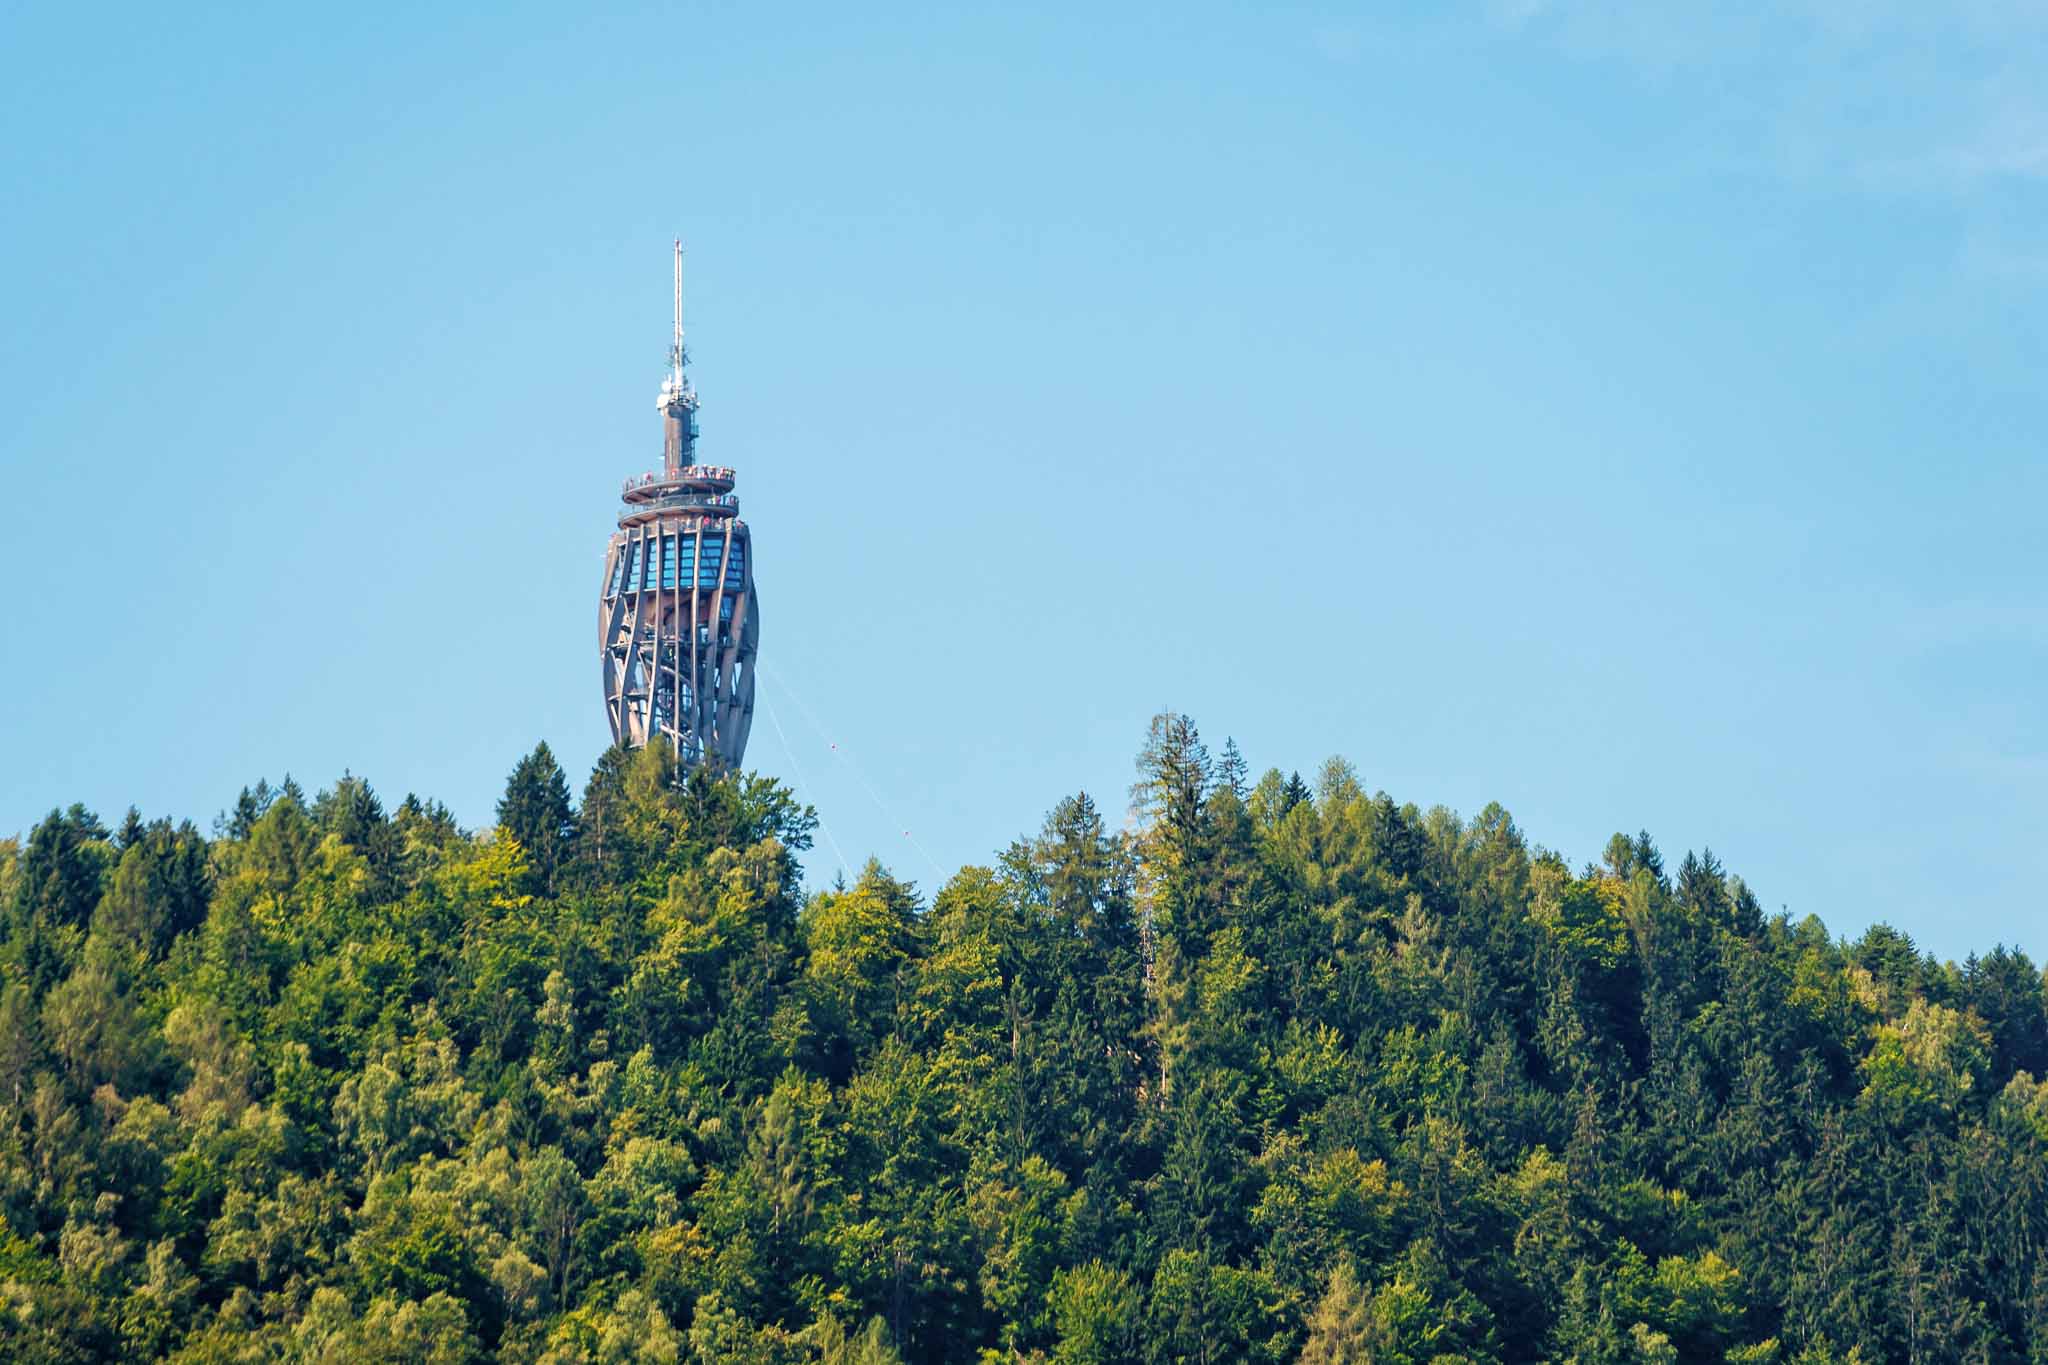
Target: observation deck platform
<point x="698" y="490"/>
<point x="706" y="505"/>
<point x="696" y="478"/>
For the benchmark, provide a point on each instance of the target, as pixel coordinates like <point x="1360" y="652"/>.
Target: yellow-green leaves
<point x="1931" y="1061"/>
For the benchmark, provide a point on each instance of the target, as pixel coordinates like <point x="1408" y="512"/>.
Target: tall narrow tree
<point x="536" y="811"/>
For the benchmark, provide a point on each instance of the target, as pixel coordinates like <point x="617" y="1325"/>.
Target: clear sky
<point x="1632" y="414"/>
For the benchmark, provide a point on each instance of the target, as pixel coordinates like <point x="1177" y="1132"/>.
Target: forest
<point x="1227" y="1068"/>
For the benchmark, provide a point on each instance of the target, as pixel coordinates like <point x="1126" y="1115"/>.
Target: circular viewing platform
<point x="696" y="478"/>
<point x="705" y="505"/>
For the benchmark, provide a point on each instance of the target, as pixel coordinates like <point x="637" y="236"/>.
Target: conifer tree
<point x="1230" y="769"/>
<point x="535" y="810"/>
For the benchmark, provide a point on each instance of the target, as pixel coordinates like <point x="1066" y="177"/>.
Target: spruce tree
<point x="536" y="811"/>
<point x="1230" y="769"/>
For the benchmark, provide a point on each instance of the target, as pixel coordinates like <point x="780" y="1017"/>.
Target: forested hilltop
<point x="1290" y="1072"/>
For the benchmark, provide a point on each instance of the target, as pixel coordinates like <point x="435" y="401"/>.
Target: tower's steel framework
<point x="678" y="621"/>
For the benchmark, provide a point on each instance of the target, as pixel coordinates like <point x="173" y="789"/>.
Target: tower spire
<point x="678" y="401"/>
<point x="675" y="350"/>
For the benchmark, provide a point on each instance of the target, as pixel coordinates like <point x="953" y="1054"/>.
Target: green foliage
<point x="1095" y="1314"/>
<point x="1287" y="1071"/>
<point x="1927" y="1064"/>
<point x="536" y="812"/>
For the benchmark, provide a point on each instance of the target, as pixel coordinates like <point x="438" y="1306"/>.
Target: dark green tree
<point x="535" y="810"/>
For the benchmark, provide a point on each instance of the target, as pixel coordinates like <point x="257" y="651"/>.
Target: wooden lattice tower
<point x="678" y="621"/>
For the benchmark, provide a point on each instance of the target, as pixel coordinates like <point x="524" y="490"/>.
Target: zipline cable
<point x="798" y="769"/>
<point x="860" y="776"/>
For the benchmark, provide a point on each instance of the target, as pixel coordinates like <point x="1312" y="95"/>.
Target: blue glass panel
<point x="633" y="565"/>
<point x="668" y="561"/>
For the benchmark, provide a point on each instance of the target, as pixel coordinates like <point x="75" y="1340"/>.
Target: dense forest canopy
<point x="1275" y="1072"/>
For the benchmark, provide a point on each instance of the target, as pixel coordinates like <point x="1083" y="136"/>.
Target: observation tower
<point x="678" y="621"/>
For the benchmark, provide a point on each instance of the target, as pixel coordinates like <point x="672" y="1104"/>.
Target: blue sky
<point x="1632" y="414"/>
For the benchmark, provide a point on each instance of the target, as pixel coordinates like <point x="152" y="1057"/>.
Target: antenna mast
<point x="675" y="352"/>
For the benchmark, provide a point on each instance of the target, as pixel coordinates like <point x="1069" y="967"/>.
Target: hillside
<point x="1294" y="1073"/>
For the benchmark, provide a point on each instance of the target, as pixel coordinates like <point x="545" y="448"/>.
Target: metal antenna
<point x="675" y="354"/>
